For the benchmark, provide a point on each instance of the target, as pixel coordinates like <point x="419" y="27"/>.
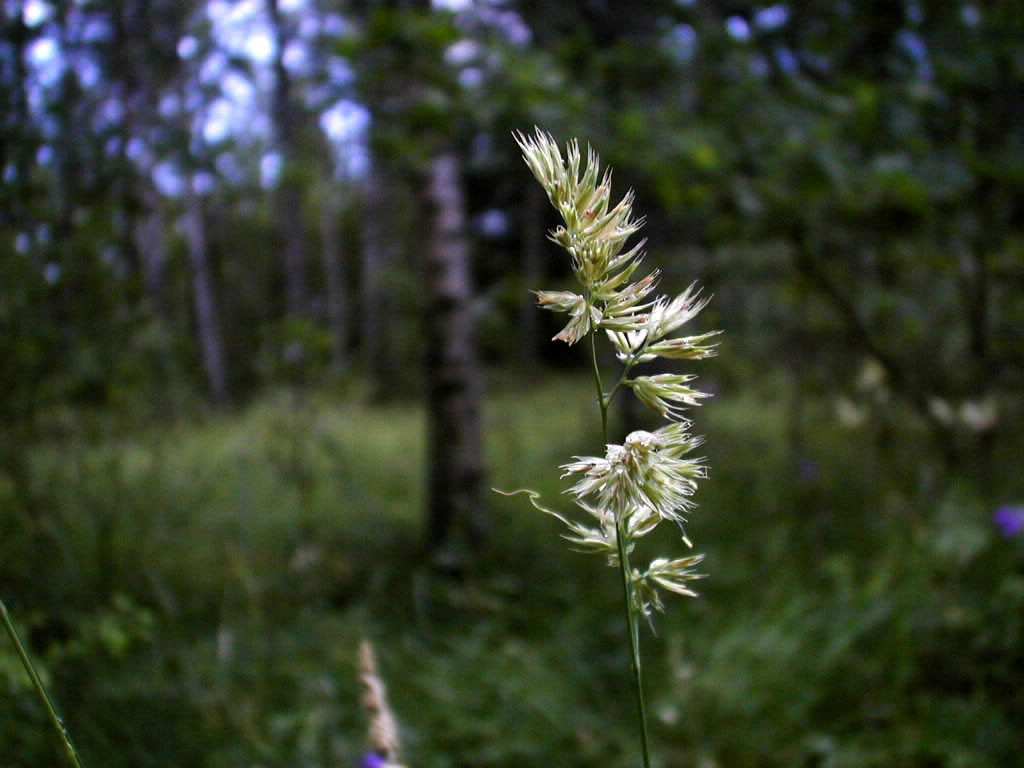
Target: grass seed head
<point x="650" y="477"/>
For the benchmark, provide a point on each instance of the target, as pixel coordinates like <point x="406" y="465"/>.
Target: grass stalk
<point x="37" y="683"/>
<point x="631" y="488"/>
<point x="634" y="643"/>
<point x="632" y="624"/>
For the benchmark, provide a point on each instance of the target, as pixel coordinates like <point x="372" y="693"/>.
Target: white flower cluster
<point x="648" y="478"/>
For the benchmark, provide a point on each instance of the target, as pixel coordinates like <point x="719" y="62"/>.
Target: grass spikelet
<point x="384" y="742"/>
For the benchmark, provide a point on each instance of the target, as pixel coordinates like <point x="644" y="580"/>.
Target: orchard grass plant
<point x="382" y="733"/>
<point x="651" y="477"/>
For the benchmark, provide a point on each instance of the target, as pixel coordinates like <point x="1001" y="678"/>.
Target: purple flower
<point x="372" y="760"/>
<point x="1009" y="519"/>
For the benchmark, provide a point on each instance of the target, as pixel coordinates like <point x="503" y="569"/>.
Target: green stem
<point x="634" y="639"/>
<point x="619" y="384"/>
<point x="26" y="662"/>
<point x="632" y="622"/>
<point x="601" y="399"/>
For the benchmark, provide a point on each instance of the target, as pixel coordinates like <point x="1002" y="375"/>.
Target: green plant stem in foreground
<point x="634" y="643"/>
<point x="37" y="683"/>
<point x="604" y="401"/>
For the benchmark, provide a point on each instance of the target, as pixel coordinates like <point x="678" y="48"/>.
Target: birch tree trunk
<point x="455" y="478"/>
<point x="211" y="342"/>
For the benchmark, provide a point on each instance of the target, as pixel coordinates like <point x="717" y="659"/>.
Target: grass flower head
<point x="650" y="477"/>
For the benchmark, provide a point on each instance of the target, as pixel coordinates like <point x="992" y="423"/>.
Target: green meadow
<point x="197" y="593"/>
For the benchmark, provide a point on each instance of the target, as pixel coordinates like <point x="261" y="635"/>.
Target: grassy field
<point x="196" y="595"/>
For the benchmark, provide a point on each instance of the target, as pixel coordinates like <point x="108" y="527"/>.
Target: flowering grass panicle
<point x="651" y="477"/>
<point x="383" y="728"/>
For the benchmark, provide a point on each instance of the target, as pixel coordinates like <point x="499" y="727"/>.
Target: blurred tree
<point x="455" y="480"/>
<point x="379" y="302"/>
<point x="419" y="122"/>
<point x="27" y="343"/>
<point x="288" y="199"/>
<point x="208" y="327"/>
<point x="19" y="131"/>
<point x="336" y="277"/>
<point x="140" y="61"/>
<point x="873" y="182"/>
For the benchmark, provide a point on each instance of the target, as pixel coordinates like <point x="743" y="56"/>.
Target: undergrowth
<point x="195" y="596"/>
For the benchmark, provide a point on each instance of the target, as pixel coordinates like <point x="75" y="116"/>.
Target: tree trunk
<point x="334" y="278"/>
<point x="19" y="150"/>
<point x="207" y="321"/>
<point x="377" y="303"/>
<point x="288" y="203"/>
<point x="453" y="379"/>
<point x="148" y="237"/>
<point x="135" y="76"/>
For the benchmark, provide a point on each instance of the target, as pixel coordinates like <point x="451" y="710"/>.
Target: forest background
<point x="267" y="338"/>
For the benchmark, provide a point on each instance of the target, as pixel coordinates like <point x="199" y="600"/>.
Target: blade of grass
<point x="37" y="683"/>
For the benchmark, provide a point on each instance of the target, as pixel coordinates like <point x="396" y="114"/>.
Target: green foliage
<point x="295" y="351"/>
<point x="860" y="612"/>
<point x="405" y="81"/>
<point x="847" y="183"/>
